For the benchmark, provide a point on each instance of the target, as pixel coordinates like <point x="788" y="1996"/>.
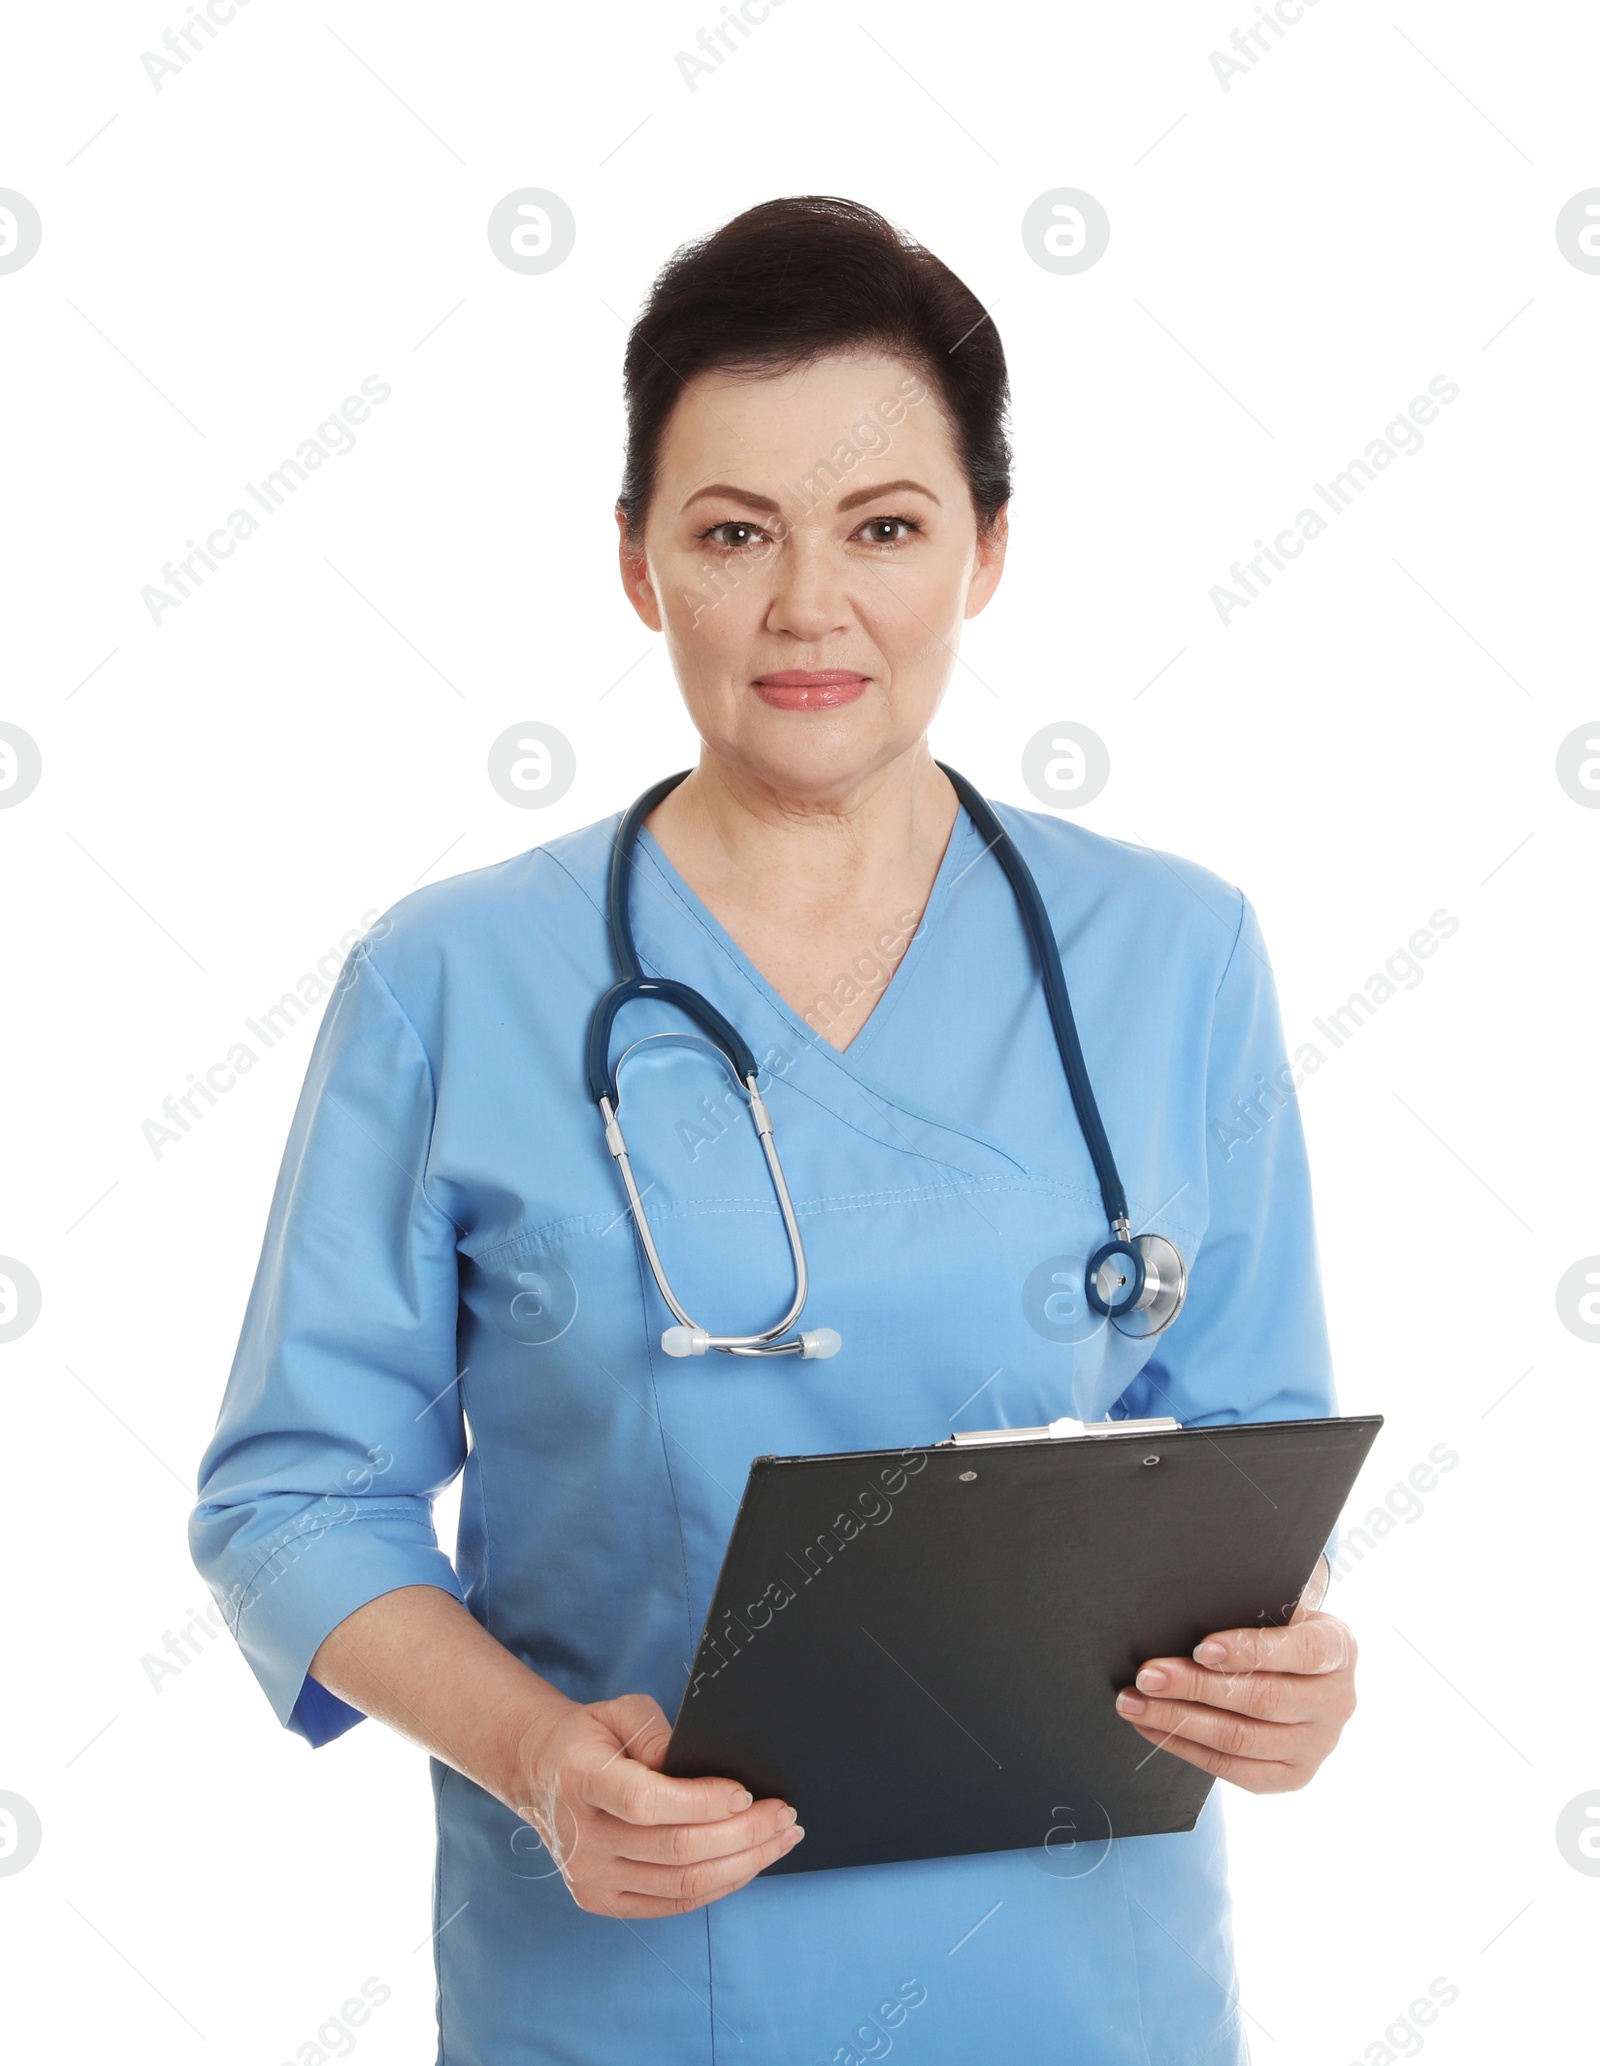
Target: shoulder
<point x="551" y="895"/>
<point x="1160" y="901"/>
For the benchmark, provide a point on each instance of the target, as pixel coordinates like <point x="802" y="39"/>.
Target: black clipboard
<point x="920" y="1649"/>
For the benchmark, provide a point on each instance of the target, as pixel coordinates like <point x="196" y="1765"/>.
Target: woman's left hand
<point x="1260" y="1706"/>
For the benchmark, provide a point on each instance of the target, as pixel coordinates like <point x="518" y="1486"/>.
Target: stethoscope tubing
<point x="1047" y="956"/>
<point x="1124" y="1274"/>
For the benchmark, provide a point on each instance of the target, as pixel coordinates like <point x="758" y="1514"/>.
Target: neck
<point x="726" y="829"/>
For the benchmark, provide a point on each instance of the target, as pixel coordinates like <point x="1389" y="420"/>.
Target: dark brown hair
<point x="790" y="281"/>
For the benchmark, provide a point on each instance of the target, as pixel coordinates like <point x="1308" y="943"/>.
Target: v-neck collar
<point x="672" y="939"/>
<point x="951" y="866"/>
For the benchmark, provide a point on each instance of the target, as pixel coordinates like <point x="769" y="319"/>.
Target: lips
<point x="796" y="688"/>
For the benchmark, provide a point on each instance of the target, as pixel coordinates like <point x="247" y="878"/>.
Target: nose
<point x="809" y="602"/>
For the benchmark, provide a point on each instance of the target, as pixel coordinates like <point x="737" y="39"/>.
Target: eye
<point x="732" y="536"/>
<point x="888" y="530"/>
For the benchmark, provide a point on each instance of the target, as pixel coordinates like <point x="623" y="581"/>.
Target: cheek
<point x="914" y="610"/>
<point x="711" y="611"/>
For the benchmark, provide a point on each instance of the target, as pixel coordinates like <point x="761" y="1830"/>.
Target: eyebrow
<point x="751" y="500"/>
<point x="744" y="495"/>
<point x="889" y="488"/>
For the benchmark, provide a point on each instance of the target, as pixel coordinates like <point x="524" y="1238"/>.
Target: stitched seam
<point x="666" y="1453"/>
<point x="556" y="862"/>
<point x="670" y="889"/>
<point x="546" y="1230"/>
<point x="1133" y="1952"/>
<point x="433" y="1090"/>
<point x="486" y="1534"/>
<point x="897" y="1147"/>
<point x="894" y="994"/>
<point x="685" y="1209"/>
<point x="381" y="1511"/>
<point x="689" y="1208"/>
<point x="1238" y="935"/>
<point x="711" y="1985"/>
<point x="1228" y="2028"/>
<point x="438" y="1907"/>
<point x="384" y="1510"/>
<point x="1232" y="2017"/>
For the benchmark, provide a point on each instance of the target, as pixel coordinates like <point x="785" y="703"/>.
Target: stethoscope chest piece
<point x="1138" y="1283"/>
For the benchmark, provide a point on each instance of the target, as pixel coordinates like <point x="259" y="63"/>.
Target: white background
<point x="1291" y="260"/>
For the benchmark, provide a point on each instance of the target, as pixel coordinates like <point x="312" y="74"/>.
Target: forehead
<point x="759" y="430"/>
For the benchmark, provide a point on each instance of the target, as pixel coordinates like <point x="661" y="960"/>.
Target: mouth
<point x="798" y="688"/>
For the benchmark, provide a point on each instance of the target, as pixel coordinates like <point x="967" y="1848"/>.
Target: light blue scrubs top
<point x="447" y="1249"/>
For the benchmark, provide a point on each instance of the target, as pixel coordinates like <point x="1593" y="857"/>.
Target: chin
<point x="812" y="755"/>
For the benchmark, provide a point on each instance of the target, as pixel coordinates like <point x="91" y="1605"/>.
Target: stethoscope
<point x="1137" y="1281"/>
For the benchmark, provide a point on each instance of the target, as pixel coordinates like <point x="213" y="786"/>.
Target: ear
<point x="636" y="582"/>
<point x="989" y="563"/>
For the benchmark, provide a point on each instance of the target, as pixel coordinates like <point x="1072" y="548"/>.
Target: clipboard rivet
<point x="1152" y="1459"/>
<point x="967" y="1477"/>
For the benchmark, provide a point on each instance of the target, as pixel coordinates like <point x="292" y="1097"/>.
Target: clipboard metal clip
<point x="1064" y="1430"/>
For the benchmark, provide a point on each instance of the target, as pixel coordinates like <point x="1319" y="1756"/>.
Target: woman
<point x="814" y="499"/>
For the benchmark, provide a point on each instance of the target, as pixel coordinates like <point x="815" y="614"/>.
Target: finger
<point x="1255" y="1775"/>
<point x="1268" y="1695"/>
<point x="639" y="1725"/>
<point x="1318" y="1644"/>
<point x="623" y="1786"/>
<point x="1315" y="1590"/>
<point x="1235" y="1735"/>
<point x="691" y="1886"/>
<point x="691" y="1843"/>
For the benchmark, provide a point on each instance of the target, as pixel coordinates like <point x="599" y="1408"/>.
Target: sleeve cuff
<point x="301" y="1593"/>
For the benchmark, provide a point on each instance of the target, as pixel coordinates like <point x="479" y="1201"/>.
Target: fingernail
<point x="1130" y="1703"/>
<point x="1211" y="1653"/>
<point x="739" y="1801"/>
<point x="789" y="1815"/>
<point x="795" y="1835"/>
<point x="1151" y="1679"/>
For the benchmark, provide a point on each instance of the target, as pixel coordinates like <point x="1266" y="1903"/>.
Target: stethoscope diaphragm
<point x="1138" y="1283"/>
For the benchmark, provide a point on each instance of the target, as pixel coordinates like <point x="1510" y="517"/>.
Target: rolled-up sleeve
<point x="1251" y="1342"/>
<point x="342" y="1417"/>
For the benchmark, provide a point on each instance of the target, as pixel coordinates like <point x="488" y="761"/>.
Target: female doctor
<point x="814" y="500"/>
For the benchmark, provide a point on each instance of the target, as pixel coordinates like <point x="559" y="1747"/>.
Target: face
<point x="810" y="554"/>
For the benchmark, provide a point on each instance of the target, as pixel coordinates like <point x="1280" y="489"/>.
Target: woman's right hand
<point x="629" y="1841"/>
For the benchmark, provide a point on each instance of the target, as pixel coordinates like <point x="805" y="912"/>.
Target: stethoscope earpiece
<point x="816" y="1343"/>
